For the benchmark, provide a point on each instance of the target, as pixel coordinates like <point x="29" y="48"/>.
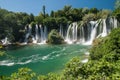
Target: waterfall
<point x="104" y="33"/>
<point x="36" y="38"/>
<point x="5" y="41"/>
<point x="61" y="30"/>
<point x="37" y="34"/>
<point x="68" y="40"/>
<point x="115" y="22"/>
<point x="88" y="33"/>
<point x="45" y="33"/>
<point x="28" y="32"/>
<point x="93" y="32"/>
<point x="94" y="26"/>
<point x="82" y="36"/>
<point x="73" y="33"/>
<point x="41" y="34"/>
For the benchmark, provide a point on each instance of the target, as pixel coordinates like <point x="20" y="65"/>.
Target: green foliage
<point x="54" y="38"/>
<point x="103" y="63"/>
<point x="50" y="22"/>
<point x="109" y="45"/>
<point x="54" y="23"/>
<point x="72" y="69"/>
<point x="23" y="74"/>
<point x="44" y="11"/>
<point x="94" y="10"/>
<point x="104" y="14"/>
<point x="88" y="17"/>
<point x="52" y="14"/>
<point x="117" y="4"/>
<point x="116" y="13"/>
<point x="12" y="23"/>
<point x="50" y="76"/>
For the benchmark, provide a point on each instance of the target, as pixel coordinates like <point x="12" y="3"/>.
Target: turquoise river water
<point x="42" y="59"/>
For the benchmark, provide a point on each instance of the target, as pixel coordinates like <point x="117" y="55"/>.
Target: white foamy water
<point x="6" y="63"/>
<point x="84" y="61"/>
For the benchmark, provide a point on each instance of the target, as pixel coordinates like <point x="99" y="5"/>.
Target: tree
<point x="94" y="10"/>
<point x="39" y="19"/>
<point x="23" y="74"/>
<point x="67" y="8"/>
<point x="31" y="17"/>
<point x="88" y="17"/>
<point x="117" y="4"/>
<point x="85" y="11"/>
<point x="44" y="11"/>
<point x="52" y="14"/>
<point x="116" y="12"/>
<point x="103" y="14"/>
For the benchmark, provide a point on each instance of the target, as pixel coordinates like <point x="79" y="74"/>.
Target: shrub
<point x="54" y="38"/>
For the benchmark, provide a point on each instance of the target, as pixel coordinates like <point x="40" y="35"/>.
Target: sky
<point x="35" y="6"/>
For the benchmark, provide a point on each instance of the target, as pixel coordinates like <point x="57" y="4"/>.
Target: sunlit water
<point x="42" y="59"/>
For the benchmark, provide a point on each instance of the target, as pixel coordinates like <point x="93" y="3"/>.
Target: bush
<point x="89" y="17"/>
<point x="104" y="62"/>
<point x="23" y="74"/>
<point x="55" y="38"/>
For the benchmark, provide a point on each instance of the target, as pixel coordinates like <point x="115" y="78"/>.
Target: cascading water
<point x="45" y="34"/>
<point x="36" y="39"/>
<point x="104" y="33"/>
<point x="94" y="25"/>
<point x="37" y="33"/>
<point x="5" y="41"/>
<point x="28" y="30"/>
<point x="68" y="40"/>
<point x="40" y="34"/>
<point x="61" y="30"/>
<point x="82" y="36"/>
<point x="115" y="22"/>
<point x="103" y="28"/>
<point x="86" y="34"/>
<point x="72" y="33"/>
<point x="75" y="31"/>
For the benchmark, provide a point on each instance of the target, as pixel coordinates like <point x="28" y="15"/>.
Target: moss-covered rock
<point x="55" y="38"/>
<point x="30" y="40"/>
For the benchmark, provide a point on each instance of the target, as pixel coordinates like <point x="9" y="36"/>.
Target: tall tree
<point x="44" y="10"/>
<point x="116" y="12"/>
<point x="52" y="14"/>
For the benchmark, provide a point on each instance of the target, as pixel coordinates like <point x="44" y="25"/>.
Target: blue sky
<point x="35" y="6"/>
